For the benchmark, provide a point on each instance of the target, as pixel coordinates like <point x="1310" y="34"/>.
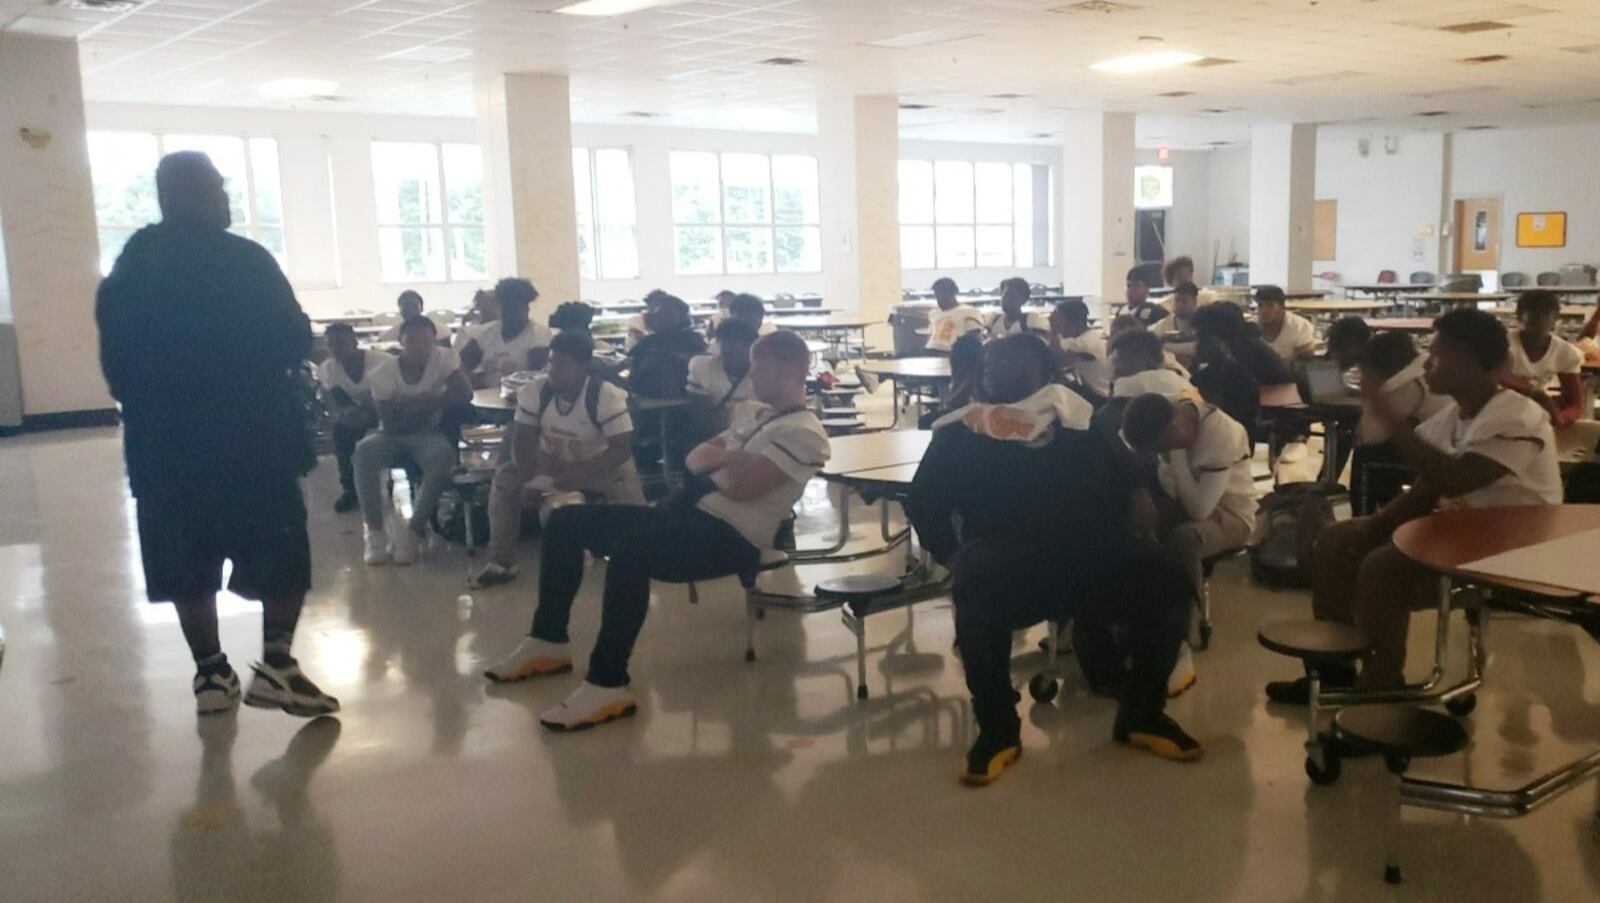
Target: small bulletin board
<point x="1541" y="230"/>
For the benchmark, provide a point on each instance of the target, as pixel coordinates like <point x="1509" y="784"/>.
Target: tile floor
<point x="735" y="782"/>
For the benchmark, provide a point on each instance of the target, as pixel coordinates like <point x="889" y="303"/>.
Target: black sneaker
<point x="288" y="689"/>
<point x="346" y="503"/>
<point x="216" y="690"/>
<point x="1298" y="691"/>
<point x="1158" y="734"/>
<point x="989" y="756"/>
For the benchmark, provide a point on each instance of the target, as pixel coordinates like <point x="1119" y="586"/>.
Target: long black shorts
<point x="186" y="535"/>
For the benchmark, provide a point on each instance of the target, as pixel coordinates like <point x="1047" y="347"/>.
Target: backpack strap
<point x="547" y="394"/>
<point x="591" y="400"/>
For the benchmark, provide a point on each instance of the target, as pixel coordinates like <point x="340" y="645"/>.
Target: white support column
<point x="1097" y="199"/>
<point x="50" y="241"/>
<point x="525" y="131"/>
<point x="859" y="170"/>
<point x="1283" y="182"/>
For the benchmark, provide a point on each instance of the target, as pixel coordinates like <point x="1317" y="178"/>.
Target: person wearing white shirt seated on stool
<point x="1491" y="447"/>
<point x="952" y="319"/>
<point x="1285" y="332"/>
<point x="485" y="310"/>
<point x="1205" y="468"/>
<point x="1139" y="306"/>
<point x="1177" y="330"/>
<point x="1389" y="361"/>
<point x="743" y="484"/>
<point x="409" y="304"/>
<point x="719" y="380"/>
<point x="572" y="433"/>
<point x="410" y="389"/>
<point x="512" y="344"/>
<point x="1012" y="319"/>
<point x="1081" y="349"/>
<point x="1539" y="357"/>
<point x="347" y="394"/>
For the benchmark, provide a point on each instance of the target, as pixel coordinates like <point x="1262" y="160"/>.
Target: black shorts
<point x="185" y="536"/>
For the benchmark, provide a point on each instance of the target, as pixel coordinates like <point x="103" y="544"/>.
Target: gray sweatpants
<point x="382" y="450"/>
<point x="509" y="489"/>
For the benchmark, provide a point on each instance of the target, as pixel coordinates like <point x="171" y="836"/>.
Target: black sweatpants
<point x="643" y="544"/>
<point x="1002" y="586"/>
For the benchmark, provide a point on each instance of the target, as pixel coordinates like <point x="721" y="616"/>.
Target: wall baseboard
<point x="64" y="420"/>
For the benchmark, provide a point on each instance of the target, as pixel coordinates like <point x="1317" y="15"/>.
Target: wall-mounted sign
<point x="1541" y="230"/>
<point x="1152" y="187"/>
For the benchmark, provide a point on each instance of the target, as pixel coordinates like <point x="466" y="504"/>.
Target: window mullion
<point x="722" y="217"/>
<point x="254" y="216"/>
<point x="444" y="209"/>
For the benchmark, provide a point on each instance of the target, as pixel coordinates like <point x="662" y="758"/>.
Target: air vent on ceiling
<point x="916" y="106"/>
<point x="987" y="111"/>
<point x="1208" y="61"/>
<point x="1218" y="143"/>
<point x="1428" y="114"/>
<point x="1007" y="96"/>
<point x="1176" y="94"/>
<point x="1583" y="48"/>
<point x="1041" y="134"/>
<point x="641" y="114"/>
<point x="1216" y="110"/>
<point x="105" y="6"/>
<point x="1480" y="128"/>
<point x="1486" y="58"/>
<point x="1093" y="6"/>
<point x="781" y="61"/>
<point x="1475" y="27"/>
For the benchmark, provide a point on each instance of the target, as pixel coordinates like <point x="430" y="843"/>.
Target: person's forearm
<point x="595" y="469"/>
<point x="1418" y="501"/>
<point x="707" y="457"/>
<point x="1591" y="329"/>
<point x="1570" y="407"/>
<point x="1199" y="497"/>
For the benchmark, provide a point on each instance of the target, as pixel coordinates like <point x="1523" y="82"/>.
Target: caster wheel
<point x="1391" y="874"/>
<point x="861" y="692"/>
<point x="1043" y="687"/>
<point x="1326" y="773"/>
<point x="1462" y="706"/>
<point x="749" y="655"/>
<point x="1205" y="637"/>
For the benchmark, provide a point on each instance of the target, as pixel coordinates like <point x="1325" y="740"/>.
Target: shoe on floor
<point x="989" y="757"/>
<point x="588" y="706"/>
<point x="491" y="574"/>
<point x="288" y="689"/>
<point x="404" y="547"/>
<point x="216" y="690"/>
<point x="1182" y="676"/>
<point x="345" y="503"/>
<point x="1158" y="734"/>
<point x="1298" y="691"/>
<point x="533" y="657"/>
<point x="377" y="552"/>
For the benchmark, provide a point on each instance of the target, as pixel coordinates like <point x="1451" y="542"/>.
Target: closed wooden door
<point x="1477" y="234"/>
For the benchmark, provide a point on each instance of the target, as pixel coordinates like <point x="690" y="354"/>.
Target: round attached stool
<point x="1400" y="733"/>
<point x="862" y="595"/>
<point x="1318" y="645"/>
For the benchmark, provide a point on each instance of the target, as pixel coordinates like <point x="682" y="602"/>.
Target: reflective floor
<point x="735" y="782"/>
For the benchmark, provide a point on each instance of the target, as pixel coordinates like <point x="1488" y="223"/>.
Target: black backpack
<point x="1287" y="525"/>
<point x="591" y="399"/>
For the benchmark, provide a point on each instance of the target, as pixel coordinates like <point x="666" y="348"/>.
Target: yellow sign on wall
<point x="1541" y="230"/>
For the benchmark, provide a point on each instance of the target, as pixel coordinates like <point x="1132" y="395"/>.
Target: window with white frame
<point x="959" y="214"/>
<point x="122" y="166"/>
<point x="430" y="211"/>
<point x="608" y="239"/>
<point x="745" y="213"/>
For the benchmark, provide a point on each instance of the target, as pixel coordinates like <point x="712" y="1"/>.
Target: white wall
<point x="1532" y="171"/>
<point x="1189" y="217"/>
<point x="1229" y="201"/>
<point x="1389" y="204"/>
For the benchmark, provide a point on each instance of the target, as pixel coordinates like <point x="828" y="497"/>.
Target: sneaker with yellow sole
<point x="1183" y="674"/>
<point x="989" y="757"/>
<point x="533" y="657"/>
<point x="1157" y="734"/>
<point x="588" y="706"/>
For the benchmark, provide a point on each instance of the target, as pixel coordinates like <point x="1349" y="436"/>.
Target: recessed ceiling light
<point x="294" y="88"/>
<point x="610" y="7"/>
<point x="922" y="38"/>
<point x="1142" y="62"/>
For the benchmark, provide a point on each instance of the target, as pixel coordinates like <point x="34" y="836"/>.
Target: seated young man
<point x="1220" y="376"/>
<point x="510" y="345"/>
<point x="410" y="390"/>
<point x="1177" y="331"/>
<point x="409" y="305"/>
<point x="1205" y="468"/>
<point x="1013" y="319"/>
<point x="1491" y="447"/>
<point x="966" y="369"/>
<point x="485" y="309"/>
<point x="719" y="381"/>
<point x="1391" y="364"/>
<point x="572" y="433"/>
<point x="1081" y="348"/>
<point x="951" y="319"/>
<point x="1140" y="307"/>
<point x="1540" y="358"/>
<point x="1289" y="335"/>
<point x="748" y="481"/>
<point x="347" y="394"/>
<point x="1047" y="532"/>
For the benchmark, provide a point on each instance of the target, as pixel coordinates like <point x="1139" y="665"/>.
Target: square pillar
<point x="1097" y="201"/>
<point x="525" y="132"/>
<point x="49" y="238"/>
<point x="859" y="138"/>
<point x="1283" y="182"/>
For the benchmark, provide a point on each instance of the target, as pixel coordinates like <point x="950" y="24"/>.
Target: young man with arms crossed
<point x="509" y="345"/>
<point x="348" y="396"/>
<point x="748" y="480"/>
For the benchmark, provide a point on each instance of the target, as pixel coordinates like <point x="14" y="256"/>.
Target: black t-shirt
<point x="660" y="363"/>
<point x="203" y="344"/>
<point x="1231" y="386"/>
<point x="1148" y="314"/>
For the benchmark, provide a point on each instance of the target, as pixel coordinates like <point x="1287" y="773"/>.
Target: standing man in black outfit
<point x="201" y="340"/>
<point x="1047" y="532"/>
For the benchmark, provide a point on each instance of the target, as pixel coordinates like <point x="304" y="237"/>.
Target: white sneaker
<point x="404" y="546"/>
<point x="289" y="689"/>
<point x="491" y="574"/>
<point x="217" y="691"/>
<point x="377" y="548"/>
<point x="1183" y="676"/>
<point x="588" y="706"/>
<point x="532" y="658"/>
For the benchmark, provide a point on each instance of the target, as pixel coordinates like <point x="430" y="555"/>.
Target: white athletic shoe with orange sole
<point x="532" y="658"/>
<point x="588" y="706"/>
